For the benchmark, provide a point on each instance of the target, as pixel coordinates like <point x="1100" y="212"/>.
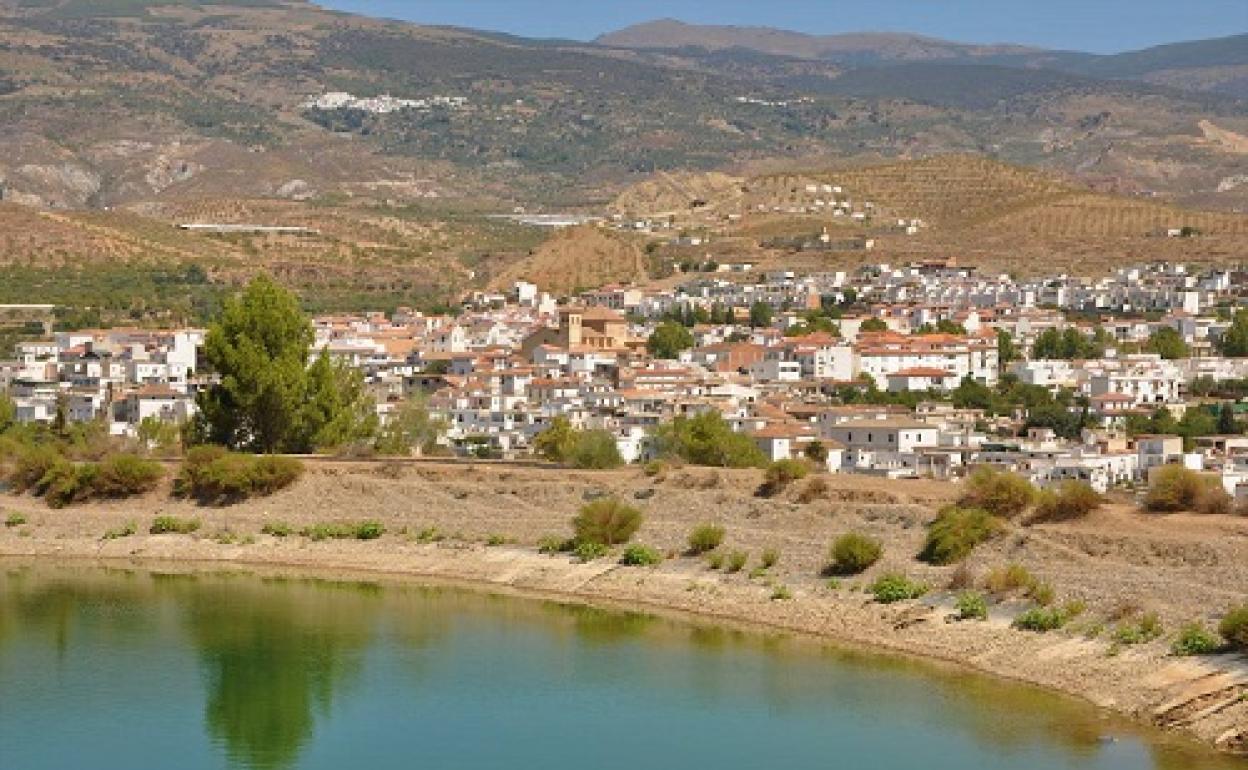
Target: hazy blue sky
<point x="1103" y="26"/>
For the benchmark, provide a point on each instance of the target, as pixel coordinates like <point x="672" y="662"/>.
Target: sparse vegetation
<point x="587" y="551"/>
<point x="736" y="561"/>
<point x="1174" y="488"/>
<point x="853" y="553"/>
<point x="781" y="593"/>
<point x="1011" y="577"/>
<point x="14" y="520"/>
<point x="956" y="532"/>
<point x="1041" y="619"/>
<point x="277" y="529"/>
<point x="705" y="538"/>
<point x="363" y="530"/>
<point x="1139" y="630"/>
<point x="770" y="558"/>
<point x="173" y="525"/>
<point x="816" y="489"/>
<point x="128" y="529"/>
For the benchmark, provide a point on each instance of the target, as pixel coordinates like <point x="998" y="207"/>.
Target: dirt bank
<point x="1184" y="568"/>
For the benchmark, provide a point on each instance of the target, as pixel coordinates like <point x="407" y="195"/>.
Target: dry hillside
<point x="579" y="258"/>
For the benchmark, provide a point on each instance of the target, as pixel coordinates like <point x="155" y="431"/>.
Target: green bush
<point x="972" y="605"/>
<point x="1195" y="639"/>
<point x="587" y="551"/>
<point x="708" y="439"/>
<point x="770" y="558"/>
<point x="1071" y="500"/>
<point x="1041" y="619"/>
<point x="31" y="465"/>
<point x="736" y="561"/>
<point x="1173" y="488"/>
<point x="781" y="593"/>
<point x="780" y="474"/>
<point x="67" y="483"/>
<point x="853" y="553"/>
<point x="895" y="587"/>
<point x="214" y="476"/>
<point x="997" y="492"/>
<point x="704" y="538"/>
<point x="125" y="475"/>
<point x="364" y="530"/>
<point x="640" y="556"/>
<point x="172" y="525"/>
<point x="369" y="530"/>
<point x="14" y="520"/>
<point x="956" y="532"/>
<point x="606" y="521"/>
<point x="1234" y="628"/>
<point x="595" y="450"/>
<point x="715" y="560"/>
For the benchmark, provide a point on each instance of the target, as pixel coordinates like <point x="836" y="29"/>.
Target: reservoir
<point x="131" y="669"/>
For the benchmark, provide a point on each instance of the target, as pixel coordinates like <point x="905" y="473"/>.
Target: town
<point x="924" y="370"/>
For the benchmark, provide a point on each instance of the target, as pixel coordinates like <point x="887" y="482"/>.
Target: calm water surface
<point x="130" y="670"/>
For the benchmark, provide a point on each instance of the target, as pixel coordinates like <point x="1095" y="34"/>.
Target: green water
<point x="108" y="669"/>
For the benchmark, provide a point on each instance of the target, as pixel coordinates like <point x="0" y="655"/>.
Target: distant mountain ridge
<point x="1216" y="65"/>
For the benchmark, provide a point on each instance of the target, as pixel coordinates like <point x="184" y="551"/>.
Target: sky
<point x="1098" y="26"/>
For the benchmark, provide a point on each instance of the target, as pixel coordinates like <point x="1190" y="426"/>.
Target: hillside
<point x="578" y="259"/>
<point x="979" y="211"/>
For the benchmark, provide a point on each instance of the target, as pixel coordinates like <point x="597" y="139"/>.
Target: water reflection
<point x="290" y="666"/>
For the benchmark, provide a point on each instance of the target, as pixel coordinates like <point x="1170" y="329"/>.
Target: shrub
<point x="815" y="489"/>
<point x="1173" y="488"/>
<point x="1145" y="629"/>
<point x="704" y="538"/>
<point x="126" y="475"/>
<point x="972" y="605"/>
<point x="1213" y="500"/>
<point x="640" y="556"/>
<point x="1012" y="577"/>
<point x="494" y="540"/>
<point x="1041" y="593"/>
<point x="67" y="483"/>
<point x="1041" y="619"/>
<point x="277" y="529"/>
<point x="736" y="561"/>
<point x="369" y="530"/>
<point x="1234" y="627"/>
<point x="172" y="525"/>
<point x="962" y="577"/>
<point x="956" y="532"/>
<point x="14" y="520"/>
<point x="364" y="530"/>
<point x="1195" y="639"/>
<point x="595" y="450"/>
<point x="895" y="587"/>
<point x="655" y="469"/>
<point x="780" y="474"/>
<point x="781" y="593"/>
<point x="770" y="558"/>
<point x="214" y="476"/>
<point x="31" y="465"/>
<point x="853" y="553"/>
<point x="606" y="521"/>
<point x="715" y="560"/>
<point x="587" y="551"/>
<point x="433" y="535"/>
<point x="1071" y="500"/>
<point x="997" y="492"/>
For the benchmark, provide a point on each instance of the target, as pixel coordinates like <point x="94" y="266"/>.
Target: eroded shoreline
<point x="1201" y="698"/>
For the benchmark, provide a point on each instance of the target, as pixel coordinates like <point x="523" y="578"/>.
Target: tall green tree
<point x="1227" y="423"/>
<point x="1006" y="349"/>
<point x="1167" y="343"/>
<point x="268" y="399"/>
<point x="556" y="442"/>
<point x="1234" y="342"/>
<point x="668" y="340"/>
<point x="760" y="315"/>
